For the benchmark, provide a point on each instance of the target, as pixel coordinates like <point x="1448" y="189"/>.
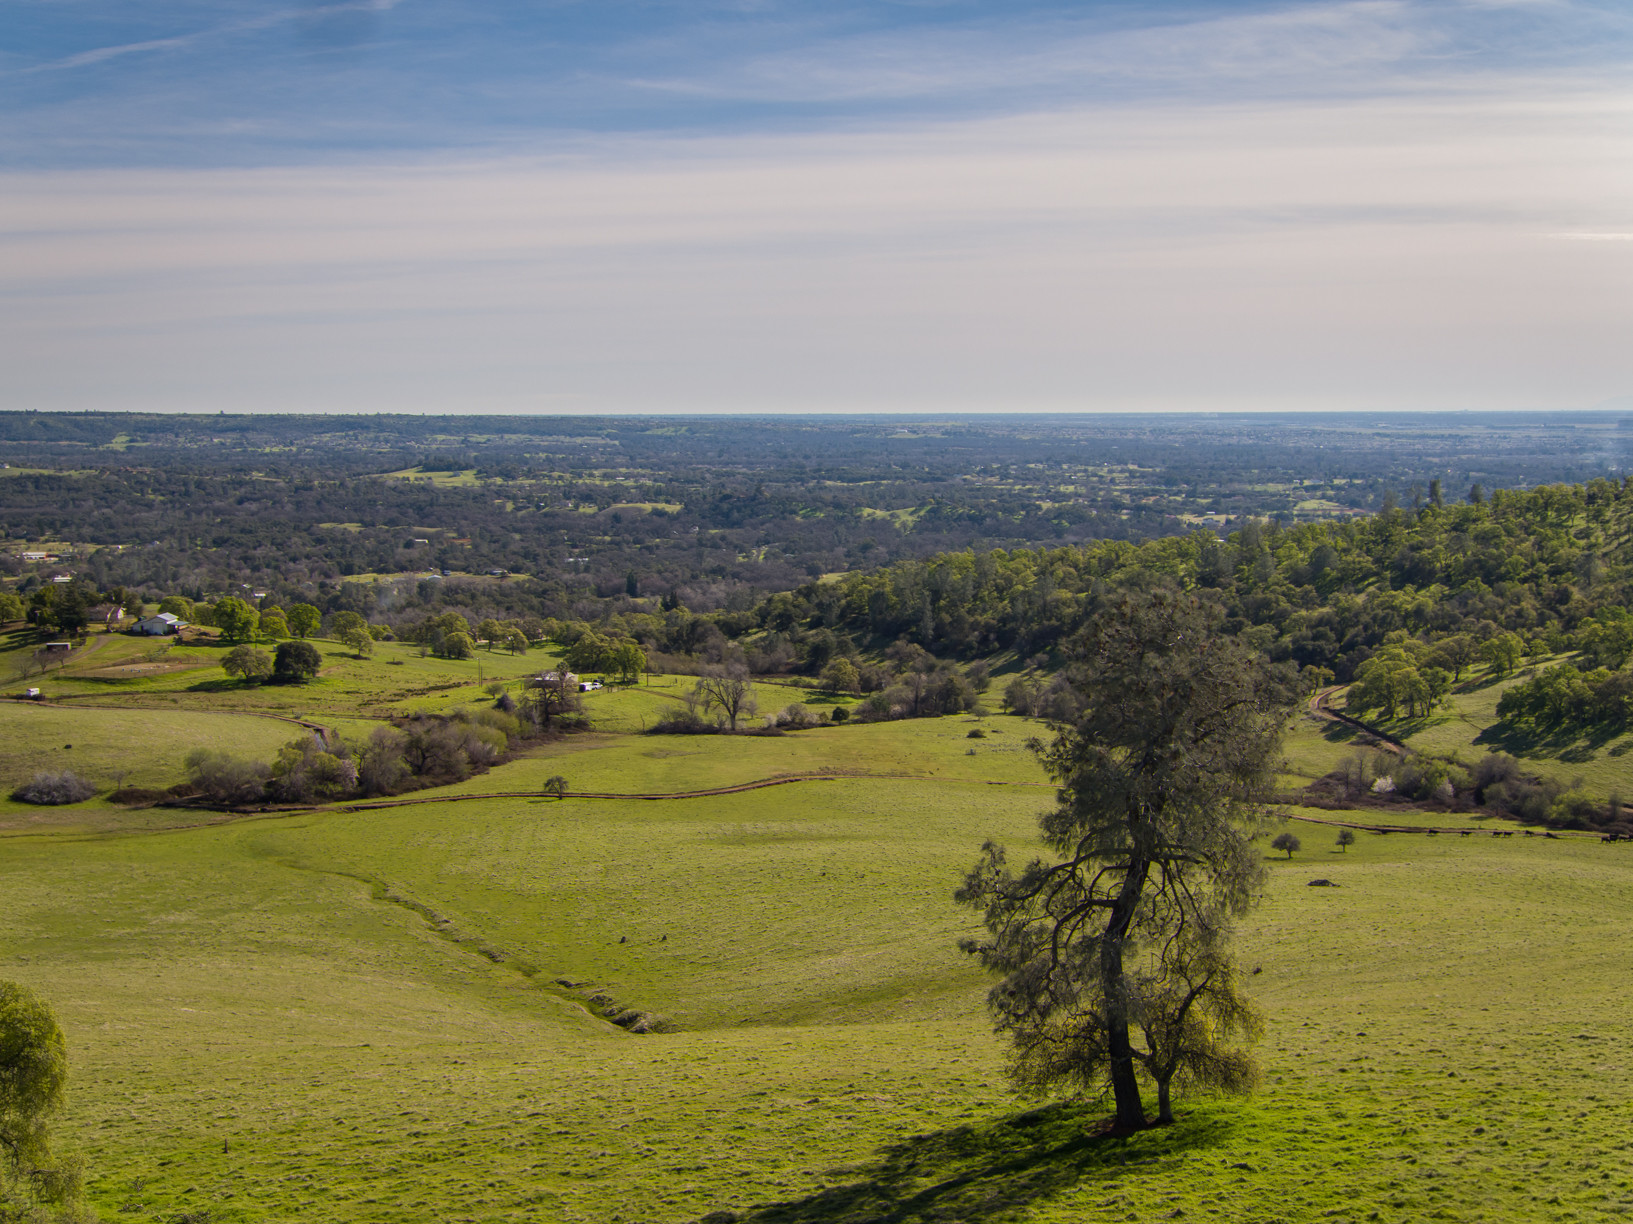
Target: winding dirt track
<point x="1320" y="708"/>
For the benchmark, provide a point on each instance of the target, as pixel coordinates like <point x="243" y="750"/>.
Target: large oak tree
<point x="1114" y="954"/>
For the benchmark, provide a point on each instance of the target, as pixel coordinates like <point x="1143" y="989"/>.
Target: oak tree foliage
<point x="1113" y="955"/>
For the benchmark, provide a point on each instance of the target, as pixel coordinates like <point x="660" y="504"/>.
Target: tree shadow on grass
<point x="217" y="685"/>
<point x="986" y="1172"/>
<point x="1573" y="746"/>
<point x="1342" y="733"/>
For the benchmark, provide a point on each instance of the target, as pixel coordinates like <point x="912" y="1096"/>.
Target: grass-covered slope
<point x="260" y="1030"/>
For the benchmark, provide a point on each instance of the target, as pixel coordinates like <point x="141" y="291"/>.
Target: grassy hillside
<point x="262" y="1028"/>
<point x="1466" y="726"/>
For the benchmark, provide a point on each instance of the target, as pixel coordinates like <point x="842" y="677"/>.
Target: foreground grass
<point x="259" y="1029"/>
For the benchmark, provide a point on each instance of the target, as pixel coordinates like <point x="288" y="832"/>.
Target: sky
<point x="919" y="206"/>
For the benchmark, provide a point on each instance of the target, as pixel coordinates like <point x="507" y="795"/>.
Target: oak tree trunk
<point x="1125" y="1085"/>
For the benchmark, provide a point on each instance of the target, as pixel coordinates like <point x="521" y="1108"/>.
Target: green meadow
<point x="1466" y="727"/>
<point x="397" y="1013"/>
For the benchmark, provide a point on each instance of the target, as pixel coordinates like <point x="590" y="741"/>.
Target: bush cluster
<point x="425" y="750"/>
<point x="54" y="788"/>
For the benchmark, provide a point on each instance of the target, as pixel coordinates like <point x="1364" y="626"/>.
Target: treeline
<point x="714" y="513"/>
<point x="1547" y="566"/>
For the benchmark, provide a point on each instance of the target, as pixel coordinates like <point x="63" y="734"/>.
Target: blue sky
<point x="85" y="82"/>
<point x="797" y="206"/>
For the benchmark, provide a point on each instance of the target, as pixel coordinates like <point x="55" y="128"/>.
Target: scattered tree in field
<point x="627" y="662"/>
<point x="248" y="664"/>
<point x="235" y="618"/>
<point x="550" y="698"/>
<point x="515" y="640"/>
<point x="274" y="625"/>
<point x="296" y="662"/>
<point x="1503" y="652"/>
<point x="1346" y="839"/>
<point x="726" y="689"/>
<point x="178" y="606"/>
<point x="1021" y="697"/>
<point x="11" y="608"/>
<point x="1163" y="772"/>
<point x="1399" y="678"/>
<point x="841" y="676"/>
<point x="304" y="620"/>
<point x="35" y="1184"/>
<point x="1455" y="654"/>
<point x="1287" y="842"/>
<point x="342" y="623"/>
<point x="556" y="785"/>
<point x="359" y="641"/>
<point x="455" y="645"/>
<point x="490" y="631"/>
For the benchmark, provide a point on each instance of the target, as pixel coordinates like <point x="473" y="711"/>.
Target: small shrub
<point x="682" y="722"/>
<point x="797" y="717"/>
<point x="137" y="796"/>
<point x="221" y="778"/>
<point x="54" y="788"/>
<point x="977" y="733"/>
<point x="838" y="714"/>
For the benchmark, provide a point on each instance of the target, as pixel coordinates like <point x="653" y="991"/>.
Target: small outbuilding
<point x="161" y="624"/>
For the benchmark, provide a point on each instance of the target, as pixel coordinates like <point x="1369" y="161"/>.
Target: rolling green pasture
<point x="1467" y="727"/>
<point x="933" y="747"/>
<point x="150" y="673"/>
<point x="147" y="746"/>
<point x="354" y="1016"/>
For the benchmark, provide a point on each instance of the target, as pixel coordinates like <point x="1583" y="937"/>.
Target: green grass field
<point x="1467" y="727"/>
<point x="388" y="1015"/>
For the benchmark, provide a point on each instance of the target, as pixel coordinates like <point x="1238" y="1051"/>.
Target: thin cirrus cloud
<point x="1327" y="206"/>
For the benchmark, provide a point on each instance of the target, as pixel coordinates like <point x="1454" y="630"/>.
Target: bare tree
<point x="728" y="689"/>
<point x="549" y="697"/>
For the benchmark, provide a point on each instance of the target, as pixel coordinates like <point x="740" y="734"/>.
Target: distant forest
<point x="588" y="517"/>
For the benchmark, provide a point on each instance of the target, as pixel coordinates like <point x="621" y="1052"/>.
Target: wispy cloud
<point x="216" y="33"/>
<point x="1362" y="254"/>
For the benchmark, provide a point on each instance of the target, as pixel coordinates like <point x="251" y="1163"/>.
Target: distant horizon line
<point x="1611" y="408"/>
